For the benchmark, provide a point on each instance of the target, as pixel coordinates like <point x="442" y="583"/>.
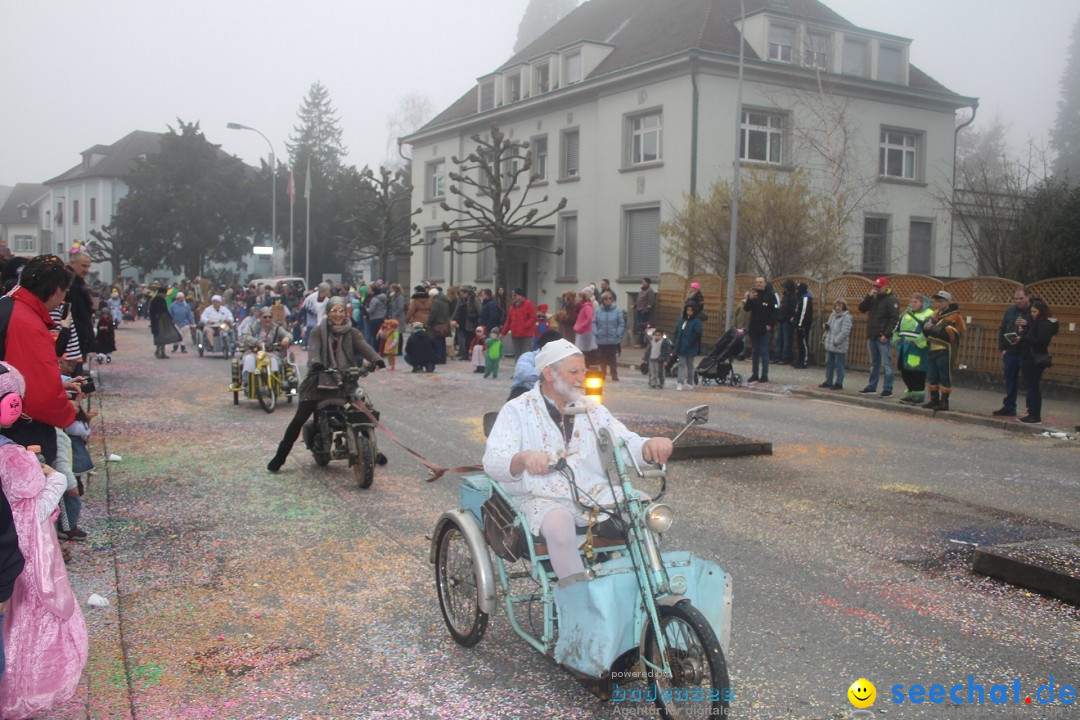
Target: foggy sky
<point x="78" y="74"/>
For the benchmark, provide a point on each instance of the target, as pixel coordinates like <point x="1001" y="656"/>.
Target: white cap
<point x="216" y="298"/>
<point x="555" y="351"/>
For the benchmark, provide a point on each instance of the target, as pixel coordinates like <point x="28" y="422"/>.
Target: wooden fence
<point x="982" y="302"/>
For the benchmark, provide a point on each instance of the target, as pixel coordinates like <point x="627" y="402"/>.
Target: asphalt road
<point x="241" y="594"/>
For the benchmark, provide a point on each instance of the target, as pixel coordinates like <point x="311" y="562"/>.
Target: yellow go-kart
<point x="264" y="383"/>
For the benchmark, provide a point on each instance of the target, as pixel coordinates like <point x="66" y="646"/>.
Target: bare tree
<point x="495" y="205"/>
<point x="784" y="228"/>
<point x="384" y="228"/>
<point x="414" y="110"/>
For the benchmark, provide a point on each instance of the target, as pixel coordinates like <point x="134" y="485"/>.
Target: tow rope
<point x="437" y="471"/>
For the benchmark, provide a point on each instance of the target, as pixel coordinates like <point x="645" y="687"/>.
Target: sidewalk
<point x="974" y="406"/>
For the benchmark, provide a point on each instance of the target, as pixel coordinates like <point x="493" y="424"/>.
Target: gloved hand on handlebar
<point x="381" y="364"/>
<point x="317" y="367"/>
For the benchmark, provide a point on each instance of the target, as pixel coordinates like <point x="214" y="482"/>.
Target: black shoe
<point x="764" y="379"/>
<point x="827" y="386"/>
<point x="781" y="362"/>
<point x="931" y="405"/>
<point x="868" y="390"/>
<point x="837" y="387"/>
<point x="1030" y="420"/>
<point x="416" y="368"/>
<point x="753" y="378"/>
<point x="478" y="370"/>
<point x="1004" y="412"/>
<point x="886" y="394"/>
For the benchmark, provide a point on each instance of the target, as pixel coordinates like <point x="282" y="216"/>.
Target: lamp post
<point x="273" y="182"/>
<point x="733" y="237"/>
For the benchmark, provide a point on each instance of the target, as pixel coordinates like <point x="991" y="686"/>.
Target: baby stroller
<point x="716" y="366"/>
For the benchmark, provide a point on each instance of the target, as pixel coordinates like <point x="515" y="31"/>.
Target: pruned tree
<point x="189" y="205"/>
<point x="106" y="247"/>
<point x="384" y="229"/>
<point x="495" y="205"/>
<point x="784" y="228"/>
<point x="1065" y="136"/>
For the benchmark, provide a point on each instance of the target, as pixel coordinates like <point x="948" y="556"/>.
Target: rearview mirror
<point x="698" y="414"/>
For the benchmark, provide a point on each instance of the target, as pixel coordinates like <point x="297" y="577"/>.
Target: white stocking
<point x="560" y="535"/>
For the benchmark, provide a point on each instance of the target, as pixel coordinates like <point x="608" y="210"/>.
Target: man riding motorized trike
<point x="570" y="532"/>
<point x="267" y="371"/>
<point x="216" y="329"/>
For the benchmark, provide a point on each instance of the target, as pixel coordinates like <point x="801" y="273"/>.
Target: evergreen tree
<point x="1065" y="137"/>
<point x="336" y="189"/>
<point x="539" y="17"/>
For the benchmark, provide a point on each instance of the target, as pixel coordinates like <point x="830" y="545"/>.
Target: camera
<point x="65" y="308"/>
<point x="88" y="386"/>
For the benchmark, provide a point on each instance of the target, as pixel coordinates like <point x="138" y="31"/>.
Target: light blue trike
<point x="603" y="630"/>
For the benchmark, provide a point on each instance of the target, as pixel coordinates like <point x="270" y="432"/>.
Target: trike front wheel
<point x="455" y="580"/>
<point x="699" y="685"/>
<point x="265" y="391"/>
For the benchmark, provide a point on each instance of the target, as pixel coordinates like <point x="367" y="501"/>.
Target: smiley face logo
<point x="862" y="693"/>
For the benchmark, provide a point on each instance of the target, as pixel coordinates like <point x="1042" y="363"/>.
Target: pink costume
<point x="44" y="632"/>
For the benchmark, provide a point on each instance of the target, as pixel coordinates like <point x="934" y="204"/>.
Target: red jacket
<point x="31" y="349"/>
<point x="520" y="320"/>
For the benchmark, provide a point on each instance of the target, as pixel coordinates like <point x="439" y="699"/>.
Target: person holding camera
<point x="883" y="310"/>
<point x="763" y="306"/>
<point x="1035" y="336"/>
<point x="28" y="345"/>
<point x="334" y="343"/>
<point x="1009" y="343"/>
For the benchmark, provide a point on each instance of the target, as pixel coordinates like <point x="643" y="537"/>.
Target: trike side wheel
<point x="455" y="580"/>
<point x="697" y="662"/>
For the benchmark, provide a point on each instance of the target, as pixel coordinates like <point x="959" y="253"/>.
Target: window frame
<point x="929" y="223"/>
<point x="564" y="174"/>
<point x="745" y="129"/>
<point x="430" y="185"/>
<point x="809" y="51"/>
<point x="630" y="273"/>
<point x="485" y="265"/>
<point x="541" y="70"/>
<point x="845" y="69"/>
<point x="29" y="243"/>
<point x="778" y="55"/>
<point x="899" y="79"/>
<point x="433" y="241"/>
<point x="632" y="134"/>
<point x="881" y="266"/>
<point x="569" y="61"/>
<point x="564" y="273"/>
<point x="914" y="153"/>
<point x="546" y="159"/>
<point x="510" y="81"/>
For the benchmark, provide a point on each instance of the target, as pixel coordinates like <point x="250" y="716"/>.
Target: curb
<point x="953" y="415"/>
<point x="1050" y="567"/>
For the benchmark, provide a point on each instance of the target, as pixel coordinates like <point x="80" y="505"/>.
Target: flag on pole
<point x="307" y="182"/>
<point x="290" y="190"/>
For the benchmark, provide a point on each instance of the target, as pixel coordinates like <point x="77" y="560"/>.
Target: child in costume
<point x="476" y="349"/>
<point x="492" y="354"/>
<point x="391" y="342"/>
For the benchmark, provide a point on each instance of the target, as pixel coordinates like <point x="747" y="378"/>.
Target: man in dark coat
<point x="82" y="307"/>
<point x="762" y="305"/>
<point x="160" y="322"/>
<point x="883" y="317"/>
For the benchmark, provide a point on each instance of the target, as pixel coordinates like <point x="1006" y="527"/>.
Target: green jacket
<point x="911" y="344"/>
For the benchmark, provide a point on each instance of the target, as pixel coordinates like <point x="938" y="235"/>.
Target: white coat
<point x="524" y="423"/>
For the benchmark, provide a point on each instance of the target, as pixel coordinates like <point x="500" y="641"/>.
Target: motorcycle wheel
<point x="697" y="664"/>
<point x="364" y="466"/>
<point x="455" y="581"/>
<point x="236" y="397"/>
<point x="264" y="391"/>
<point x="200" y="349"/>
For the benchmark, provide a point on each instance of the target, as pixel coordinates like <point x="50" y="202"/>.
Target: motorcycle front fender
<point x="474" y="536"/>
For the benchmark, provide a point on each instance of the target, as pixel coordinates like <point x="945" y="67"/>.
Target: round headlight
<point x="659" y="517"/>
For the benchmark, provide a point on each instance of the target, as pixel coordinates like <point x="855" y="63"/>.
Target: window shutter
<point x="919" y="248"/>
<point x="643" y="242"/>
<point x="572" y="153"/>
<point x="568" y="261"/>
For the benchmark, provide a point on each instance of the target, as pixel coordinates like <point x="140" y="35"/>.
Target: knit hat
<point x="432" y="292"/>
<point x="519" y="291"/>
<point x="881" y="282"/>
<point x="695" y="286"/>
<point x="12" y="381"/>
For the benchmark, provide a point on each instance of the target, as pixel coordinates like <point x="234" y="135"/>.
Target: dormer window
<point x="513" y="87"/>
<point x="781" y="43"/>
<point x="856" y="59"/>
<point x="541" y="78"/>
<point x="487" y="95"/>
<point x="24" y="211"/>
<point x="572" y="66"/>
<point x="890" y="64"/>
<point x="816" y="51"/>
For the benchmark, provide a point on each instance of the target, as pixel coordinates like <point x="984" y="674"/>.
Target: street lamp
<point x="273" y="181"/>
<point x="734" y="235"/>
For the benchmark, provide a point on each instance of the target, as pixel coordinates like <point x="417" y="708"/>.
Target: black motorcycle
<point x="340" y="430"/>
